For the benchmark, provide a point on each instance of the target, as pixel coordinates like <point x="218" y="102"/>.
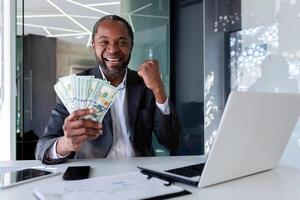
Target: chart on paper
<point x="132" y="185"/>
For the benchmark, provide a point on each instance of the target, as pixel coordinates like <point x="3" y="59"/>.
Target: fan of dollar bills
<point x="79" y="92"/>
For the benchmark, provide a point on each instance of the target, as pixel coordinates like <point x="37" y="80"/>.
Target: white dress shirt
<point x="121" y="146"/>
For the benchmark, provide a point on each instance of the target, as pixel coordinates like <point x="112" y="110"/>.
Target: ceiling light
<point x="49" y="27"/>
<point x="70" y="34"/>
<point x="131" y="24"/>
<point x="134" y="11"/>
<point x="79" y="36"/>
<point x="68" y="16"/>
<point x="141" y="8"/>
<point x="91" y="8"/>
<point x="104" y="4"/>
<point x="39" y="16"/>
<point x="89" y="40"/>
<point x="84" y="16"/>
<point x="50" y="16"/>
<point x="46" y="30"/>
<point x="150" y="16"/>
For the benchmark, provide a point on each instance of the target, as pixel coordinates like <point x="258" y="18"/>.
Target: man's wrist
<point x="60" y="148"/>
<point x="160" y="95"/>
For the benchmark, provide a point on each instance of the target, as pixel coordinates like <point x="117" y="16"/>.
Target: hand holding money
<point x="87" y="99"/>
<point x="150" y="73"/>
<point x="77" y="130"/>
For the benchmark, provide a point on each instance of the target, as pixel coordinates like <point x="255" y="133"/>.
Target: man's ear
<point x="131" y="48"/>
<point x="93" y="45"/>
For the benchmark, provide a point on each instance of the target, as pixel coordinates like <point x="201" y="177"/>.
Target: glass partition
<point x="221" y="17"/>
<point x="150" y="22"/>
<point x="257" y="49"/>
<point x="54" y="40"/>
<point x="265" y="55"/>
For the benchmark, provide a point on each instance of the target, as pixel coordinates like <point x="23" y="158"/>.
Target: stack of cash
<point x="80" y="92"/>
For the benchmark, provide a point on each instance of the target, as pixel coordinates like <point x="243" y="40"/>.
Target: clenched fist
<point x="150" y="73"/>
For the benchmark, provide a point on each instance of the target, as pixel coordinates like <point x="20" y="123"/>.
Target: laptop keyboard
<point x="188" y="171"/>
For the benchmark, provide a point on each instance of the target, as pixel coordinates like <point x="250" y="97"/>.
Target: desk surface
<point x="280" y="183"/>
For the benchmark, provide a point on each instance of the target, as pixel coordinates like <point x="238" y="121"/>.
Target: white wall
<point x="7" y="114"/>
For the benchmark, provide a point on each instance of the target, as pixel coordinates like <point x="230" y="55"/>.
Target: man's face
<point x="112" y="46"/>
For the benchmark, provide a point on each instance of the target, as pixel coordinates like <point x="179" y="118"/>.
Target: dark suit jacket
<point x="144" y="118"/>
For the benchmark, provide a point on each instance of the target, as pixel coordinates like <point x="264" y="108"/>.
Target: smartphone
<point x="77" y="173"/>
<point x="23" y="176"/>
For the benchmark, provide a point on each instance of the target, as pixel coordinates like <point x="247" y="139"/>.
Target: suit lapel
<point x="134" y="91"/>
<point x="96" y="72"/>
<point x="107" y="123"/>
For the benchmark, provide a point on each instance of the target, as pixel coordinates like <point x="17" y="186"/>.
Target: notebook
<point x="252" y="134"/>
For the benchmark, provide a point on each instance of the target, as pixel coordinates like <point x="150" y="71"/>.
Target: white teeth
<point x="113" y="59"/>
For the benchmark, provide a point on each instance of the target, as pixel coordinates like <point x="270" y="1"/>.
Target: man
<point x="140" y="108"/>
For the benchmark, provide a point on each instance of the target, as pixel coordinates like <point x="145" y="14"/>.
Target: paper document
<point x="132" y="185"/>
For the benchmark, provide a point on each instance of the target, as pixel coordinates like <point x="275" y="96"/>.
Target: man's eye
<point x="123" y="43"/>
<point x="103" y="43"/>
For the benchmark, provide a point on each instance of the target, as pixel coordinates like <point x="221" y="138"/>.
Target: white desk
<point x="281" y="183"/>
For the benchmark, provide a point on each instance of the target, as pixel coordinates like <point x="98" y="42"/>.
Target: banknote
<point x="60" y="93"/>
<point x="103" y="101"/>
<point x="79" y="92"/>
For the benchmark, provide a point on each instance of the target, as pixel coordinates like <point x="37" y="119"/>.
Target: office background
<point x="206" y="49"/>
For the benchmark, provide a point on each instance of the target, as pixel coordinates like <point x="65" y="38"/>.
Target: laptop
<point x="253" y="132"/>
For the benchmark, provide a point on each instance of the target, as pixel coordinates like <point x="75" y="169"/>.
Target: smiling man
<point x="140" y="108"/>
